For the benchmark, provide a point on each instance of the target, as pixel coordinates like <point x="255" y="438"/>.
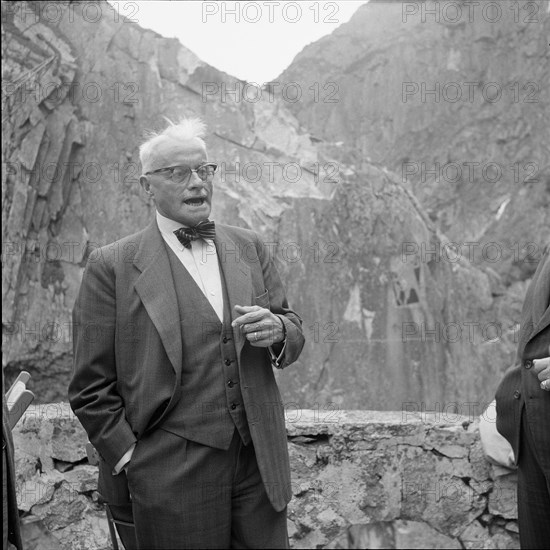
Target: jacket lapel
<point x="238" y="282"/>
<point x="155" y="287"/>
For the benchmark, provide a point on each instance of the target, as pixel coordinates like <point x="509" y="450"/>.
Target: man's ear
<point x="144" y="182"/>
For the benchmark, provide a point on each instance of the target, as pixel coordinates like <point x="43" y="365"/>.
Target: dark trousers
<point x="188" y="495"/>
<point x="127" y="534"/>
<point x="533" y="494"/>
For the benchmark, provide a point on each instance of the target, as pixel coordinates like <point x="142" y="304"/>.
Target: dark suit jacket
<point x="128" y="351"/>
<point x="521" y="387"/>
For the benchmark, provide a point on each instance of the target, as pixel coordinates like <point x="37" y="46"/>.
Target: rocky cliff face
<point x="384" y="326"/>
<point x="453" y="97"/>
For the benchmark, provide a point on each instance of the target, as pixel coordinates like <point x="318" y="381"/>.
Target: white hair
<point x="187" y="132"/>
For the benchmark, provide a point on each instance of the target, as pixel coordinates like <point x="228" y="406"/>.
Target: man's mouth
<point x="199" y="201"/>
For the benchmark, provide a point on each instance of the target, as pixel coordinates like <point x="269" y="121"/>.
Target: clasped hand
<point x="259" y="326"/>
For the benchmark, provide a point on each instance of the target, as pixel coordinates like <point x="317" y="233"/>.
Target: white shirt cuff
<point x="126" y="457"/>
<point x="276" y="360"/>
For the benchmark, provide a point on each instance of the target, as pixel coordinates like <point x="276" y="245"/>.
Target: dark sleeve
<point x="279" y="306"/>
<point x="93" y="388"/>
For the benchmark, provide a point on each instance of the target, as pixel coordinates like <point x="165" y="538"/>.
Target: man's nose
<point x="195" y="181"/>
<point x="197" y="184"/>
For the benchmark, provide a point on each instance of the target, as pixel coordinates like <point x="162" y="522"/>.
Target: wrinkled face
<point x="188" y="202"/>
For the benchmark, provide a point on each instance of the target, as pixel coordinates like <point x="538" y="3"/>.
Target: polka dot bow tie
<point x="203" y="230"/>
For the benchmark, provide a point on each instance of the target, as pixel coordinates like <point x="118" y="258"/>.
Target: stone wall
<point x="403" y="480"/>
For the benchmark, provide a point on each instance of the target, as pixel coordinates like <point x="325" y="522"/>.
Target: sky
<point x="254" y="41"/>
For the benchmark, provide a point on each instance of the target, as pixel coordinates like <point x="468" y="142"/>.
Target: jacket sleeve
<point x="294" y="341"/>
<point x="93" y="388"/>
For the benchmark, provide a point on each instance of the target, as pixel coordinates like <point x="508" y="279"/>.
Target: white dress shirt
<point x="201" y="261"/>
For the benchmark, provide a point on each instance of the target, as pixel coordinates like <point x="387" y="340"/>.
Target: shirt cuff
<point x="276" y="360"/>
<point x="124" y="460"/>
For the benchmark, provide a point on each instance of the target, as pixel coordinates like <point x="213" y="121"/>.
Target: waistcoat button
<point x="227" y="362"/>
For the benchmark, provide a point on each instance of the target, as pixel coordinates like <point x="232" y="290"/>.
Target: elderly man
<point x="176" y="388"/>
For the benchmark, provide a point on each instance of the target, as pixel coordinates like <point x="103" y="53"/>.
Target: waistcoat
<point x="211" y="404"/>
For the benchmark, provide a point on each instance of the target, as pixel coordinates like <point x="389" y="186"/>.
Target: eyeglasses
<point x="183" y="172"/>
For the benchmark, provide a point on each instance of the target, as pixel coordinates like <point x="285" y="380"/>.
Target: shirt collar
<point x="167" y="227"/>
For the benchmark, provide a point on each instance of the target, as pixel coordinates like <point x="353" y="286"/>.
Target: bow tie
<point x="203" y="230"/>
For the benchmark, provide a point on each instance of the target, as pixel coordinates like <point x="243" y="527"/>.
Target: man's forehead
<point x="179" y="152"/>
